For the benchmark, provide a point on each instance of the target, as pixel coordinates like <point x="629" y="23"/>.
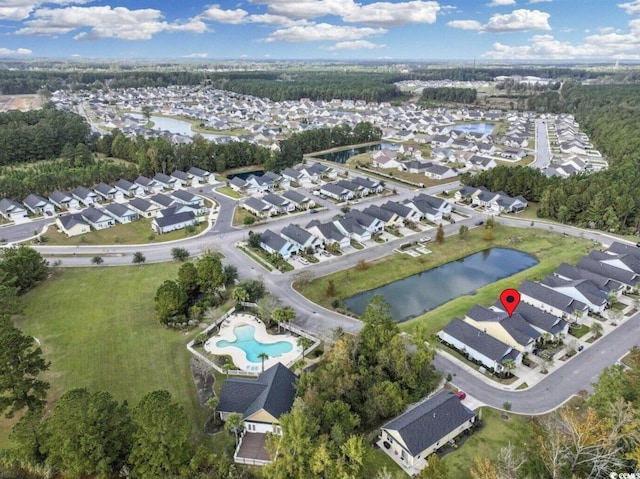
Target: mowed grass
<point x="98" y="329"/>
<point x="494" y="434"/>
<point x="136" y="232"/>
<point x="548" y="247"/>
<point x="227" y="190"/>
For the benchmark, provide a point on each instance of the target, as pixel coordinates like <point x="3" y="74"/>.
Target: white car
<point x="303" y="260"/>
<point x="425" y="239"/>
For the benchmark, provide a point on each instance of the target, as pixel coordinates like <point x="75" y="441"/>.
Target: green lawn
<point x="98" y="329"/>
<point x="548" y="247"/>
<point x="579" y="332"/>
<point x="239" y="214"/>
<point x="137" y="232"/>
<point x="486" y="442"/>
<point x="227" y="190"/>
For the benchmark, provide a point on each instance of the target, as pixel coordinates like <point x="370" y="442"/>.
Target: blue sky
<point x="484" y="30"/>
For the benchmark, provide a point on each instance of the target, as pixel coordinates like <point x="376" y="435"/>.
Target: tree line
<point x="449" y="95"/>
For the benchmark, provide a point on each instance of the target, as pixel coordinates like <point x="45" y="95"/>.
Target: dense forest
<point x="606" y="200"/>
<point x="449" y="95"/>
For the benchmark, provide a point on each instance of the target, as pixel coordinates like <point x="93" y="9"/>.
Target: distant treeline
<point x="450" y="95"/>
<point x="488" y="74"/>
<point x="608" y="200"/>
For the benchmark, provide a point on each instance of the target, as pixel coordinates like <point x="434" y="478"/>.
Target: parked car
<point x="303" y="260"/>
<point x="313" y="212"/>
<point x="461" y="395"/>
<point x="479" y="223"/>
<point x="425" y="239"/>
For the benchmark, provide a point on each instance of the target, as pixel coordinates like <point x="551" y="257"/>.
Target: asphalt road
<point x="550" y="393"/>
<point x="543" y="152"/>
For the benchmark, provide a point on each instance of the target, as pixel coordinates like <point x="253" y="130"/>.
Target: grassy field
<point x="239" y="214"/>
<point x="549" y="248"/>
<point x="495" y="434"/>
<point x="98" y="329"/>
<point x="226" y="190"/>
<point x="137" y="232"/>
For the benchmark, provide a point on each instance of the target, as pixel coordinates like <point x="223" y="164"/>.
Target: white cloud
<point x="270" y="19"/>
<point x="355" y="45"/>
<point x="519" y="21"/>
<point x="197" y="55"/>
<point x="21" y="9"/>
<point x="217" y="14"/>
<point x="631" y="8"/>
<point x="322" y="32"/>
<point x="465" y="24"/>
<point x="17" y="51"/>
<point x="609" y="45"/>
<point x="378" y="13"/>
<point x="539" y="1"/>
<point x="502" y="3"/>
<point x="390" y="14"/>
<point x="106" y="22"/>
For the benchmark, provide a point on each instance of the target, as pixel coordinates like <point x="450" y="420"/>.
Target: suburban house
<point x="478" y="345"/>
<point x="39" y="206"/>
<point x="186" y="198"/>
<point x="407" y="214"/>
<point x="182" y="178"/>
<point x="145" y="208"/>
<point x="482" y="163"/>
<point x="628" y="278"/>
<point x="98" y="219"/>
<point x="129" y="189"/>
<point x="108" y="192"/>
<point x="621" y="249"/>
<point x="64" y="201"/>
<point x="389" y="218"/>
<point x="238" y="184"/>
<point x="514" y="330"/>
<point x="368" y="186"/>
<point x="357" y="190"/>
<point x="259" y="208"/>
<point x="260" y="184"/>
<point x="440" y="172"/>
<point x="569" y="272"/>
<point x="85" y="195"/>
<point x="162" y="200"/>
<point x="12" y="210"/>
<point x="289" y="174"/>
<point x="371" y="224"/>
<point x="424" y="210"/>
<point x="283" y="205"/>
<point x="328" y="233"/>
<point x="200" y="176"/>
<point x="581" y="289"/>
<point x="541" y="321"/>
<point x="336" y="192"/>
<point x="352" y="229"/>
<point x="443" y="206"/>
<point x="551" y="301"/>
<point x="299" y="201"/>
<point x="121" y="213"/>
<point x="300" y="237"/>
<point x="625" y="262"/>
<point x="178" y="221"/>
<point x="148" y="185"/>
<point x="274" y="243"/>
<point x="167" y="182"/>
<point x="72" y="224"/>
<point x="425" y="428"/>
<point x="313" y="173"/>
<point x="386" y="159"/>
<point x="261" y="402"/>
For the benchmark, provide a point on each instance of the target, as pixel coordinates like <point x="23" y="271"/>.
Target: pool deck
<point x="261" y="335"/>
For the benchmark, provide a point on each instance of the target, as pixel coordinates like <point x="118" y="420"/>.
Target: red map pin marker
<point x="510" y="299"/>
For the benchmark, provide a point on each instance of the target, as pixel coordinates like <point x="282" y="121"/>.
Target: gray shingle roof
<point x="141" y="204"/>
<point x="69" y="221"/>
<point x="59" y="197"/>
<point x="144" y="181"/>
<point x="401" y="210"/>
<point x="181" y="175"/>
<point x="609" y="271"/>
<point x="238" y="182"/>
<point x="296" y="234"/>
<point x="551" y="297"/>
<point x="83" y="192"/>
<point x="621" y="248"/>
<point x="118" y="210"/>
<point x="185" y="196"/>
<point x="274" y="391"/>
<point x="536" y="317"/>
<point x="273" y="240"/>
<point x="274" y="199"/>
<point x="587" y="288"/>
<point x="94" y="215"/>
<point x="515" y="325"/>
<point x="200" y="173"/>
<point x="125" y="185"/>
<point x="430" y="421"/>
<point x="477" y="340"/>
<point x="162" y="199"/>
<point x="256" y="204"/>
<point x="295" y="196"/>
<point x="34" y="201"/>
<point x="377" y="212"/>
<point x="333" y="189"/>
<point x="573" y="272"/>
<point x="176" y="219"/>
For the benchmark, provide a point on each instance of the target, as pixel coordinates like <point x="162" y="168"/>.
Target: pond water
<point x="422" y="292"/>
<point x="344" y="155"/>
<point x="174" y="125"/>
<point x="245" y="174"/>
<point x="484" y="128"/>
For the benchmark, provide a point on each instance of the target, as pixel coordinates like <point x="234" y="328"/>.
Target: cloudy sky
<point x="317" y="29"/>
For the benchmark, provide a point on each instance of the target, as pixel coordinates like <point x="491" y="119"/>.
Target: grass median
<point x="549" y="248"/>
<point x="98" y="329"/>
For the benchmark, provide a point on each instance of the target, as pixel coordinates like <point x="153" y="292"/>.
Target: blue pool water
<point x="484" y="128"/>
<point x="246" y="341"/>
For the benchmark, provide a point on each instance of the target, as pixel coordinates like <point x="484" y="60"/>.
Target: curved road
<point x="548" y="394"/>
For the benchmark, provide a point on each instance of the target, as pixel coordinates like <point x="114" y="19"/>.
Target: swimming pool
<point x="246" y="341"/>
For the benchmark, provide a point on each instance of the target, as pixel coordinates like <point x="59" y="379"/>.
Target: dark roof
<point x="237" y="181"/>
<point x="432" y="201"/>
<point x="536" y="317"/>
<point x="125" y="185"/>
<point x="621" y="248"/>
<point x="256" y="204"/>
<point x="273" y="240"/>
<point x="198" y="172"/>
<point x="69" y="221"/>
<point x="587" y="288"/>
<point x="104" y="189"/>
<point x="609" y="271"/>
<point x="181" y="175"/>
<point x="162" y="199"/>
<point x="295" y="196"/>
<point x="430" y="421"/>
<point x="274" y="391"/>
<point x="351" y="226"/>
<point x="380" y="213"/>
<point x="573" y="272"/>
<point x="296" y="234"/>
<point x="551" y="297"/>
<point x="348" y="185"/>
<point x="401" y="210"/>
<point x="165" y="179"/>
<point x="477" y="340"/>
<point x="291" y="173"/>
<point x="330" y="231"/>
<point x="59" y="196"/>
<point x="274" y="199"/>
<point x="7" y="205"/>
<point x="185" y="196"/>
<point x="362" y="218"/>
<point x="118" y="210"/>
<point x="515" y="326"/>
<point x="94" y="215"/>
<point x="144" y="181"/>
<point x="178" y="218"/>
<point x="35" y="201"/>
<point x="438" y="169"/>
<point x="366" y="182"/>
<point x="141" y="205"/>
<point x="333" y="189"/>
<point x="83" y="192"/>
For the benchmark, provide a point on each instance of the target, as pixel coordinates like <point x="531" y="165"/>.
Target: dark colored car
<point x="479" y="223"/>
